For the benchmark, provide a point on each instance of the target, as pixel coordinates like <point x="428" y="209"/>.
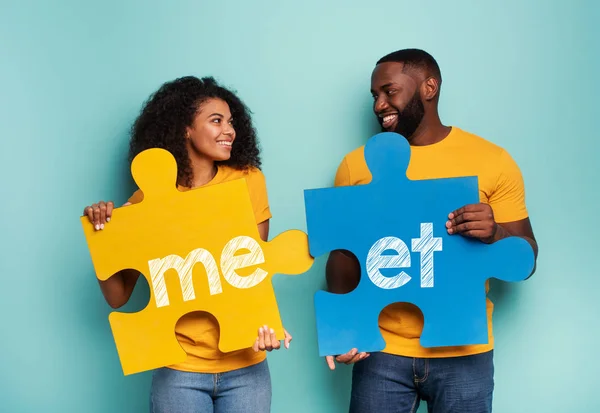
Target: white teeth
<point x="224" y="143"/>
<point x="389" y="118"/>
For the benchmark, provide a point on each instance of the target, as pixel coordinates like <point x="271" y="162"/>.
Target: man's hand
<point x="475" y="221"/>
<point x="350" y="357"/>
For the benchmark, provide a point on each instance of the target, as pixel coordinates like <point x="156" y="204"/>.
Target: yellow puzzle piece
<point x="209" y="238"/>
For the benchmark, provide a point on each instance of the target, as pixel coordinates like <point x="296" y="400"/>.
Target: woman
<point x="208" y="130"/>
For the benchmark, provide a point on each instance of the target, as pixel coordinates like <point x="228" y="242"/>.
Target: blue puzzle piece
<point x="444" y="275"/>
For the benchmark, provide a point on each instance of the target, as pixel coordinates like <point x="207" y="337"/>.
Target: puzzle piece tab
<point x="396" y="228"/>
<point x="209" y="238"/>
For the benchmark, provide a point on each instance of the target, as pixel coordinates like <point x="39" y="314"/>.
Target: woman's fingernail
<point x="272" y="331"/>
<point x="107" y="219"/>
<point x="102" y="226"/>
<point x="97" y="227"/>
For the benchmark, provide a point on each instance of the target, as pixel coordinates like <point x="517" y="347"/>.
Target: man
<point x="406" y="87"/>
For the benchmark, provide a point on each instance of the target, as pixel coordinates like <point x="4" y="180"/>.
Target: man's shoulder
<point x="489" y="157"/>
<point x="356" y="165"/>
<point x="355" y="157"/>
<point x="477" y="143"/>
<point x="353" y="168"/>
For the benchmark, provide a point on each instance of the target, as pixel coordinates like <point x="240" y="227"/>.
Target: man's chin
<point x="391" y="128"/>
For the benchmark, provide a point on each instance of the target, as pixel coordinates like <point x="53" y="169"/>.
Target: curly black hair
<point x="172" y="108"/>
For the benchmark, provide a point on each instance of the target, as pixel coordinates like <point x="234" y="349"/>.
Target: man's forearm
<point x="502" y="232"/>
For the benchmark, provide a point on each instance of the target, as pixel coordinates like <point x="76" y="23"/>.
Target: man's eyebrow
<point x="384" y="86"/>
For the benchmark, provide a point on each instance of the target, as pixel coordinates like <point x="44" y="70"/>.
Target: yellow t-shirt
<point x="198" y="332"/>
<point x="500" y="185"/>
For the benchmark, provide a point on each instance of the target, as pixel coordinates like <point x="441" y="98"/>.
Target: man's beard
<point x="410" y="118"/>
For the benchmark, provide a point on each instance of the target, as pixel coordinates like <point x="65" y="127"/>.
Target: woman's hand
<point x="267" y="340"/>
<point x="118" y="288"/>
<point x="99" y="214"/>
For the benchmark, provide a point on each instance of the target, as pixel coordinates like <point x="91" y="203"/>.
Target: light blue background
<point x="73" y="75"/>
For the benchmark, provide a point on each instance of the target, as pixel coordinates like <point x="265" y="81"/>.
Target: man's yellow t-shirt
<point x="500" y="185"/>
<point x="198" y="332"/>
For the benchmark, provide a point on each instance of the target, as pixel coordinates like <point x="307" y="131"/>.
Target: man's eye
<point x="391" y="92"/>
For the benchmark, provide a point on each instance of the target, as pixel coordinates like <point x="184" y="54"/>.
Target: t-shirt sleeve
<point x="342" y="175"/>
<point x="257" y="186"/>
<point x="508" y="199"/>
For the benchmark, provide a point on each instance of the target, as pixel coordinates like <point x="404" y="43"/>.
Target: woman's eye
<point x="217" y="120"/>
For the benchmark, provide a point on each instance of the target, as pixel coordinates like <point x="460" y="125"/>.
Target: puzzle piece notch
<point x="169" y="222"/>
<point x="355" y="218"/>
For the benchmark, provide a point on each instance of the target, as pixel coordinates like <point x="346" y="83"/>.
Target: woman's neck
<point x="203" y="171"/>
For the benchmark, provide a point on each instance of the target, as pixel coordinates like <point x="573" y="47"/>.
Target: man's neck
<point x="430" y="131"/>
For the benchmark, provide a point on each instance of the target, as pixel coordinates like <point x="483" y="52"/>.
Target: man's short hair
<point x="415" y="59"/>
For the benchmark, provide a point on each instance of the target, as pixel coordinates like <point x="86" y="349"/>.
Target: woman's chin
<point x="222" y="156"/>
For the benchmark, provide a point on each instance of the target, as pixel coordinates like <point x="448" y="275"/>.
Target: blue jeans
<point x="239" y="391"/>
<point x="394" y="384"/>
